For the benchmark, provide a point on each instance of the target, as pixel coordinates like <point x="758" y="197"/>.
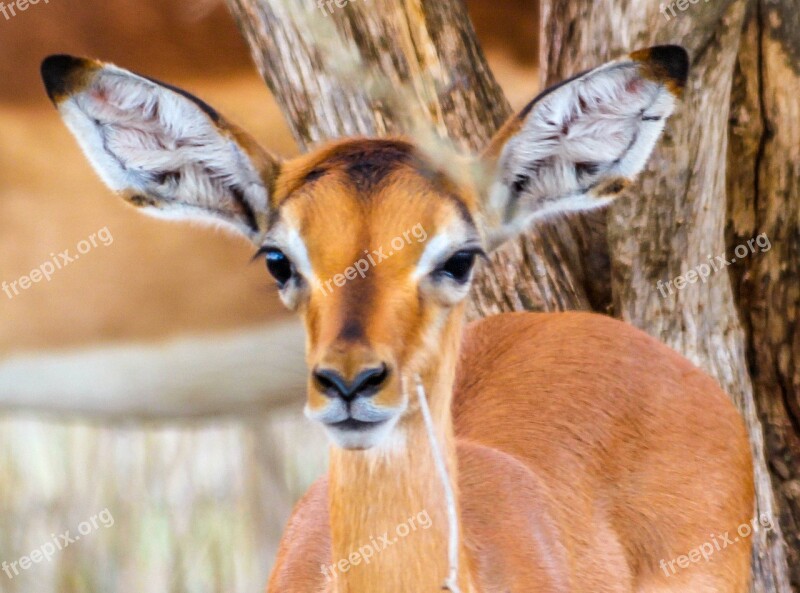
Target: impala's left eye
<point x="279" y="266"/>
<point x="458" y="266"/>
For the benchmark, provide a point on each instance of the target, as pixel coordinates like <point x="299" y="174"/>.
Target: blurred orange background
<point x="198" y="504"/>
<point x="158" y="279"/>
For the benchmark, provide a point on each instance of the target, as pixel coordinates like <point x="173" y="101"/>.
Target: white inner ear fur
<point x="143" y="138"/>
<point x="599" y="127"/>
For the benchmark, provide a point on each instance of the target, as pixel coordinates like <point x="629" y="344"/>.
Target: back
<point x="628" y="435"/>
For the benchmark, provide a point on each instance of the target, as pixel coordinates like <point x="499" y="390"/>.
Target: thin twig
<point x="451" y="584"/>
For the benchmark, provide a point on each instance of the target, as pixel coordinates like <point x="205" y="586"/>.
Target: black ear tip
<point x="667" y="63"/>
<point x="59" y="74"/>
<point x="674" y="60"/>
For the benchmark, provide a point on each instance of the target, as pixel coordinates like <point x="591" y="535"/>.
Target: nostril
<point x="333" y="384"/>
<point x="370" y="379"/>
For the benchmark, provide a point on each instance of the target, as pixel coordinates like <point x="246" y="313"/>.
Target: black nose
<point x="366" y="383"/>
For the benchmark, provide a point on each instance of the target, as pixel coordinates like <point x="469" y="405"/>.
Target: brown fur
<point x="587" y="452"/>
<point x="583" y="452"/>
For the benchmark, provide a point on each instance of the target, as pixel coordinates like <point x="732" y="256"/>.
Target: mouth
<point x="357" y="425"/>
<point x="359" y="435"/>
<point x="354" y="425"/>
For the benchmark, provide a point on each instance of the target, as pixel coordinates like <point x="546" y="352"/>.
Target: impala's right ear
<point x="162" y="149"/>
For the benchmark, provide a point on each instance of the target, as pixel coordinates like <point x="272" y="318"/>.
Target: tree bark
<point x="375" y="68"/>
<point x="406" y="67"/>
<point x="674" y="219"/>
<point x="401" y="65"/>
<point x="764" y="190"/>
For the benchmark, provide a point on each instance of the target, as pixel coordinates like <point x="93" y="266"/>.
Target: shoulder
<point x="305" y="546"/>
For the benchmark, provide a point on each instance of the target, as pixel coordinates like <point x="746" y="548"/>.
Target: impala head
<point x="371" y="242"/>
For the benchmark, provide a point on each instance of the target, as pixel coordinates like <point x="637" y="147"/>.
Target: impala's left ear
<point x="577" y="145"/>
<point x="162" y="149"/>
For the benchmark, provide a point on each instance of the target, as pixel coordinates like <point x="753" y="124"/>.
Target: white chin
<point x="361" y="439"/>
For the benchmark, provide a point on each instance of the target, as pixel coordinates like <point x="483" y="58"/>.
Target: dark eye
<point x="459" y="266"/>
<point x="279" y="266"/>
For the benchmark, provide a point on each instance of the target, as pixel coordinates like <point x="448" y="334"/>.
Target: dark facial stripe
<point x="466" y="215"/>
<point x="366" y="162"/>
<point x="314" y="174"/>
<point x="369" y="164"/>
<point x="358" y="297"/>
<point x="352" y="331"/>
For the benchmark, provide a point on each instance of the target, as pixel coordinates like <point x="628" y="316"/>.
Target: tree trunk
<point x="674" y="220"/>
<point x="400" y="65"/>
<point x="407" y="66"/>
<point x="375" y="68"/>
<point x="764" y="189"/>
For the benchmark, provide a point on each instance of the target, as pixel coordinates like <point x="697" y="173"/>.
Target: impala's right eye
<point x="279" y="266"/>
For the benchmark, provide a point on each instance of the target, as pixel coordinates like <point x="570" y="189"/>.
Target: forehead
<point x="362" y="194"/>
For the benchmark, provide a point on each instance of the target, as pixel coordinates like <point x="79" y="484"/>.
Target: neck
<point x="389" y="520"/>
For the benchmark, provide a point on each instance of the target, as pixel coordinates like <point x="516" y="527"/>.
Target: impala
<point x="551" y="452"/>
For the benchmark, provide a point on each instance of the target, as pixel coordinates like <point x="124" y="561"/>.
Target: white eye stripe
<point x="437" y="248"/>
<point x="456" y="235"/>
<point x="298" y="253"/>
<point x="287" y="239"/>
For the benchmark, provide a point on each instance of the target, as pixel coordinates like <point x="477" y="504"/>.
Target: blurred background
<point x="198" y="504"/>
